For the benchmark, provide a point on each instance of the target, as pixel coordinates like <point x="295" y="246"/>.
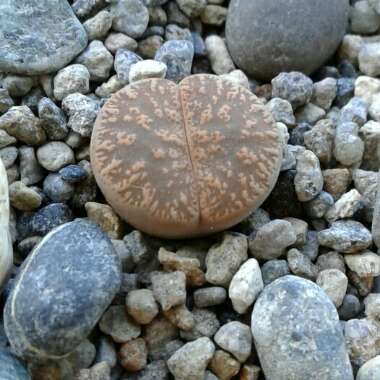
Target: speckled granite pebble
<point x="71" y="282"/>
<point x="298" y="339"/>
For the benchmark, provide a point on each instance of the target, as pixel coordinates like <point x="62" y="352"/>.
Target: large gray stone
<point x="297" y="333"/>
<point x="38" y="36"/>
<point x="11" y="368"/>
<point x="62" y="290"/>
<point x="266" y="37"/>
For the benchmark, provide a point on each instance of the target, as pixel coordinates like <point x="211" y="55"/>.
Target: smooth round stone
<point x="45" y="45"/>
<point x="266" y="37"/>
<point x="72" y="276"/>
<point x="297" y="333"/>
<point x="11" y="368"/>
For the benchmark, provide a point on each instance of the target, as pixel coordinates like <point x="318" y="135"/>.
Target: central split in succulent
<point x="188" y="159"/>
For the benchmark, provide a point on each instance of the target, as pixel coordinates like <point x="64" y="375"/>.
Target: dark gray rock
<point x="350" y="307"/>
<point x="71" y="282"/>
<point x="199" y="45"/>
<point x="178" y="57"/>
<point x="44" y="220"/>
<point x="294" y="87"/>
<point x="6" y="101"/>
<point x="130" y="17"/>
<point x="73" y="173"/>
<point x="274" y="269"/>
<point x="124" y="59"/>
<point x="45" y="45"/>
<point x="53" y="119"/>
<point x="297" y="134"/>
<point x="347" y="236"/>
<point x="266" y="37"/>
<point x="11" y="368"/>
<point x="344" y="91"/>
<point x="297" y="333"/>
<point x="57" y="189"/>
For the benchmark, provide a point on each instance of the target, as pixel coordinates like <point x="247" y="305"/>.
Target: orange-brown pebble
<point x="133" y="355"/>
<point x="250" y="372"/>
<point x="185" y="160"/>
<point x="224" y="365"/>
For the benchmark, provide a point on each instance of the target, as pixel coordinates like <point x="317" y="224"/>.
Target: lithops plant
<point x="185" y="160"/>
<point x="6" y="251"/>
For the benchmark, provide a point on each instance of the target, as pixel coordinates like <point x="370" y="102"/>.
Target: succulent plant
<point x="187" y="159"/>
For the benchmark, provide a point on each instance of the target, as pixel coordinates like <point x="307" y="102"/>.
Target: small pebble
<point x="274" y="269"/>
<point x="73" y="173"/>
<point x="106" y="218"/>
<point x="30" y="170"/>
<point x="130" y="17"/>
<point x="169" y="289"/>
<point x="55" y="155"/>
<point x="147" y="69"/>
<point x="308" y="180"/>
<point x="192" y="8"/>
<point x="53" y="119"/>
<point x="116" y="323"/>
<point x="134" y="355"/>
<point x="142" y="306"/>
<point x="115" y="41"/>
<point x="369" y="63"/>
<point x="97" y="59"/>
<point x="294" y="87"/>
<point x="192" y="359"/>
<point x="272" y="239"/>
<point x="177" y="55"/>
<point x="364" y="264"/>
<point x="211" y="296"/>
<point x="347" y="236"/>
<point x="218" y="55"/>
<point x="57" y="189"/>
<point x="301" y="265"/>
<point x="349" y="148"/>
<point x="224" y="259"/>
<point x="82" y="111"/>
<point x="350" y="307"/>
<point x="20" y="122"/>
<point x="235" y="338"/>
<point x="98" y="26"/>
<point x="23" y="198"/>
<point x="224" y="365"/>
<point x="245" y="286"/>
<point x="124" y="59"/>
<point x="17" y="85"/>
<point x="324" y="93"/>
<point x="71" y="79"/>
<point x="205" y="323"/>
<point x="334" y="283"/>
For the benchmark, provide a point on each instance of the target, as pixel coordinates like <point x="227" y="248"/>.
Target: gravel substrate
<point x="289" y="293"/>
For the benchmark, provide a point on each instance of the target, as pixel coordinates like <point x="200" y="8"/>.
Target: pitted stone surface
<point x="45" y="45"/>
<point x="61" y="291"/>
<point x="185" y="160"/>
